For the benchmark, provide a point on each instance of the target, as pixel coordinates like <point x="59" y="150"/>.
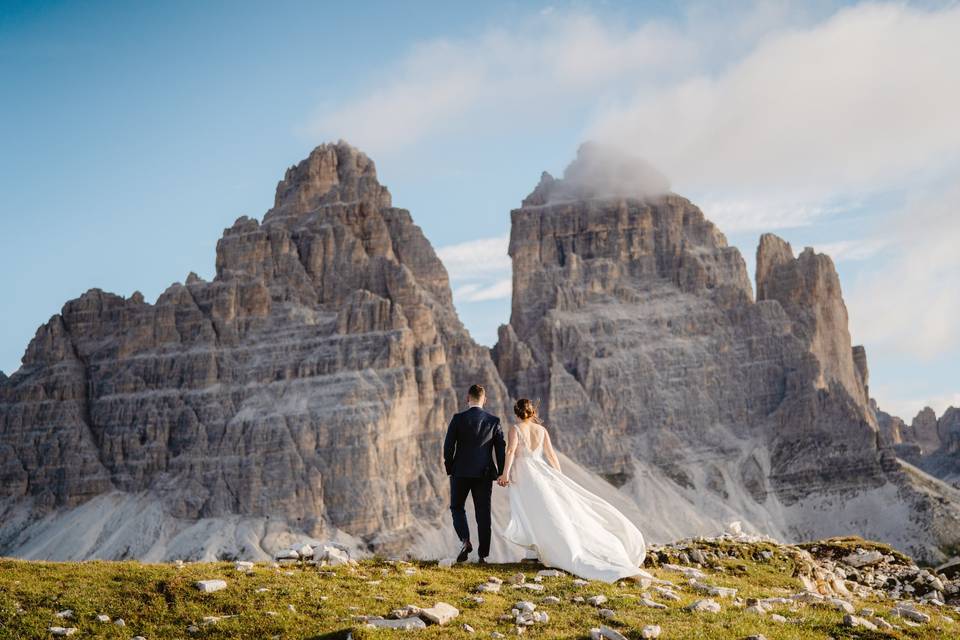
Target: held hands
<point x="503" y="481"/>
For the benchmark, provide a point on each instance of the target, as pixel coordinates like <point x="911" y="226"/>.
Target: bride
<point x="567" y="526"/>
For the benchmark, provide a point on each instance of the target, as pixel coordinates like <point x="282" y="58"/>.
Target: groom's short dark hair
<point x="477" y="392"/>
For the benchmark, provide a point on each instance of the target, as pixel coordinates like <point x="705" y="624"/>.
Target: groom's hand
<point x="503" y="482"/>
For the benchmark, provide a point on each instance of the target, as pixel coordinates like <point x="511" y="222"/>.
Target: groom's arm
<point x="450" y="445"/>
<point x="499" y="447"/>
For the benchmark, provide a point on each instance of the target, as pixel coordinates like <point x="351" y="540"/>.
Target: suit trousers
<point x="482" y="490"/>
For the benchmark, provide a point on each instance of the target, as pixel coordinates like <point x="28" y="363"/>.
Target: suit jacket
<point x="473" y="437"/>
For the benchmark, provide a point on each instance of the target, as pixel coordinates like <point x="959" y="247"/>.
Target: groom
<point x="472" y="438"/>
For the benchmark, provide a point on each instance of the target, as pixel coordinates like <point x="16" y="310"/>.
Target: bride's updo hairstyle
<point x="525" y="410"/>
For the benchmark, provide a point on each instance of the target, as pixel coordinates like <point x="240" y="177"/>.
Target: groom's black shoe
<point x="465" y="551"/>
<point x="481" y="560"/>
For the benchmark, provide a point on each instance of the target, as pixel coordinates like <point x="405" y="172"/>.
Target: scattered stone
<point x="532" y="586"/>
<point x="103" y="618"/>
<point x="243" y="565"/>
<point x="550" y="573"/>
<point x="66" y="614"/>
<point x="494" y="580"/>
<point x="666" y="593"/>
<point x="62" y="631"/>
<point x="840" y="605"/>
<point x="650" y="631"/>
<point x="441" y="613"/>
<point x="905" y="610"/>
<point x="757" y="609"/>
<point x="119" y="622"/>
<point x="756" y="636"/>
<point x="517" y="578"/>
<point x="653" y="604"/>
<point x="403" y="624"/>
<point x="209" y="586"/>
<point x="720" y="592"/>
<point x="551" y="600"/>
<point x="597" y="600"/>
<point x="525" y="606"/>
<point x="467" y="628"/>
<point x="708" y="606"/>
<point x="861" y="558"/>
<point x="497" y="634"/>
<point x="610" y="634"/>
<point x="776" y="617"/>
<point x="488" y="587"/>
<point x="577" y="599"/>
<point x="608" y="614"/>
<point x="851" y="620"/>
<point x="580" y="582"/>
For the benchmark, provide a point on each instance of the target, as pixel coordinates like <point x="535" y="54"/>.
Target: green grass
<point x="160" y="601"/>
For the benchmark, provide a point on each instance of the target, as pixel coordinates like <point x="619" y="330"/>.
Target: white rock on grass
<point x="597" y="600"/>
<point x="606" y="633"/>
<point x="650" y="631"/>
<point x="525" y="606"/>
<point x="551" y="600"/>
<point x="653" y="604"/>
<point x="666" y="593"/>
<point x="708" y="606"/>
<point x="720" y="592"/>
<point x="517" y="578"/>
<point x="906" y="611"/>
<point x="103" y="618"/>
<point x="445" y="563"/>
<point x="579" y="582"/>
<point x="532" y="586"/>
<point x="840" y="605"/>
<point x="305" y="551"/>
<point x="851" y="620"/>
<point x="776" y="617"/>
<point x="209" y="586"/>
<point x="403" y="624"/>
<point x="441" y="613"/>
<point x="467" y="628"/>
<point x="286" y="554"/>
<point x="243" y="565"/>
<point x="66" y="614"/>
<point x="119" y="622"/>
<point x="862" y="558"/>
<point x="550" y="573"/>
<point x="497" y="635"/>
<point x="488" y="587"/>
<point x="608" y="614"/>
<point x="62" y="631"/>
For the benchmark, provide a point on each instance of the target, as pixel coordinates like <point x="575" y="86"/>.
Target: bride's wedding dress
<point x="568" y="527"/>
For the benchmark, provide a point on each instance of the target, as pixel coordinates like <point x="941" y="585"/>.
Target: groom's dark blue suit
<point x="474" y="437"/>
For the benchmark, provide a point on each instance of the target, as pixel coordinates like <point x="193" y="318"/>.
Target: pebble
<point x="580" y="583"/>
<point x="103" y="618"/>
<point x="403" y="624"/>
<point x="647" y="602"/>
<point x="709" y="606"/>
<point x="776" y="617"/>
<point x="597" y="600"/>
<point x="851" y="620"/>
<point x="525" y="606"/>
<point x="66" y="614"/>
<point x="488" y="587"/>
<point x="650" y="631"/>
<point x="608" y="614"/>
<point x="209" y="586"/>
<point x="517" y="578"/>
<point x="62" y="631"/>
<point x="551" y="600"/>
<point x="119" y="622"/>
<point x="467" y="628"/>
<point x="441" y="613"/>
<point x="497" y="634"/>
<point x="550" y="573"/>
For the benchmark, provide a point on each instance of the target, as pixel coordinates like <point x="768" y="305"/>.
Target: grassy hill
<point x="160" y="600"/>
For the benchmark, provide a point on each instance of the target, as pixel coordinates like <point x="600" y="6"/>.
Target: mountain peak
<point x="332" y="173"/>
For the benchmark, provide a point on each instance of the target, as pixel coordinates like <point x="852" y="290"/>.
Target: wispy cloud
<point x="909" y="305"/>
<point x="479" y="269"/>
<point x="853" y="250"/>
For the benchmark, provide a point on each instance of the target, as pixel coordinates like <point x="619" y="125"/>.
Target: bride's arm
<point x="504" y="478"/>
<point x="550" y="453"/>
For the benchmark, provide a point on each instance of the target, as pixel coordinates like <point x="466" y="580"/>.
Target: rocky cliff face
<point x="309" y="383"/>
<point x="304" y="390"/>
<point x="931" y="443"/>
<point x="634" y="326"/>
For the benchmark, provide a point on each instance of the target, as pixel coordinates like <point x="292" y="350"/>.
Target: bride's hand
<point x="502" y="481"/>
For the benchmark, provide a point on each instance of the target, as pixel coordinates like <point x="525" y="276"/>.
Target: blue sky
<point x="133" y="134"/>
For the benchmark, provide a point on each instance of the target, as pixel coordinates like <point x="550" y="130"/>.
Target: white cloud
<point x="853" y="250"/>
<point x="476" y="258"/>
<point x="479" y="293"/>
<point x="515" y="76"/>
<point x="480" y="269"/>
<point x="866" y="97"/>
<point x="767" y="213"/>
<point x="910" y="304"/>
